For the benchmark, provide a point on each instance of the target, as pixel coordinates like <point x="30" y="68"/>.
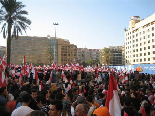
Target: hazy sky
<point x="86" y="23"/>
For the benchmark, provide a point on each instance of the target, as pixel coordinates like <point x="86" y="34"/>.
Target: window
<point x="136" y="50"/>
<point x="143" y="32"/>
<point x="136" y="45"/>
<point x="153" y="52"/>
<point x="140" y="44"/>
<point x="144" y="43"/>
<point x="153" y="58"/>
<point x="136" y="40"/>
<point x="140" y="54"/>
<point x="148" y="30"/>
<point x="148" y="36"/>
<point x="140" y="60"/>
<point x="152" y="40"/>
<point x="153" y="46"/>
<point x="137" y="60"/>
<point x="144" y="54"/>
<point x="136" y="55"/>
<point x="140" y="49"/>
<point x="144" y="37"/>
<point x="136" y="34"/>
<point x="148" y="53"/>
<point x="148" y="47"/>
<point x="144" y="59"/>
<point x="152" y="34"/>
<point x="148" y="59"/>
<point x="144" y="48"/>
<point x="133" y="60"/>
<point x="152" y="28"/>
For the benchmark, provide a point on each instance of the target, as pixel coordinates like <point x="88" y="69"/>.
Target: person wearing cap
<point x="19" y="101"/>
<point x="24" y="109"/>
<point x="101" y="111"/>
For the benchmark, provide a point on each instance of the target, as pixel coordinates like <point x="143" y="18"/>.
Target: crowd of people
<point x="75" y="93"/>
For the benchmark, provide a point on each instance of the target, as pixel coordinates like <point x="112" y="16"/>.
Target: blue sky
<point x="94" y="24"/>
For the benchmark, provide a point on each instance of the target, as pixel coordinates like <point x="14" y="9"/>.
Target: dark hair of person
<point x="57" y="103"/>
<point x="44" y="92"/>
<point x="90" y="98"/>
<point x="101" y="95"/>
<point x="26" y="97"/>
<point x="5" y="111"/>
<point x="91" y="92"/>
<point x="59" y="96"/>
<point x="34" y="90"/>
<point x="2" y="90"/>
<point x="70" y="95"/>
<point x="127" y="101"/>
<point x="52" y="96"/>
<point x="41" y="98"/>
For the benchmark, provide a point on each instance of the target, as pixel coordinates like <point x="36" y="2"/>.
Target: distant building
<point x="140" y="41"/>
<point x="116" y="52"/>
<point x="67" y="53"/>
<point x="115" y="56"/>
<point x="84" y="54"/>
<point x="34" y="49"/>
<point x="2" y="50"/>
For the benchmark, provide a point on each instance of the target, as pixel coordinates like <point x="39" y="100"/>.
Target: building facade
<point x="33" y="48"/>
<point x="116" y="52"/>
<point x="84" y="54"/>
<point x="2" y="50"/>
<point x="67" y="52"/>
<point x="114" y="56"/>
<point x="140" y="41"/>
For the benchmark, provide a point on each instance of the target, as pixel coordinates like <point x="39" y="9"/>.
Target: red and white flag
<point x="113" y="100"/>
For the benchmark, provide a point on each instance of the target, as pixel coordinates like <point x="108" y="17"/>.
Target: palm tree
<point x="106" y="56"/>
<point x="13" y="21"/>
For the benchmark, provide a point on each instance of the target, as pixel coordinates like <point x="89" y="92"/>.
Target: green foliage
<point x="13" y="21"/>
<point x="88" y="62"/>
<point x="49" y="56"/>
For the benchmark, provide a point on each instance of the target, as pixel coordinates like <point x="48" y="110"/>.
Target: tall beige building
<point x="67" y="53"/>
<point x="140" y="41"/>
<point x="34" y="49"/>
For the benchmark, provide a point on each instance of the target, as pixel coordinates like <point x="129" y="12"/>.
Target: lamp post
<point x="55" y="40"/>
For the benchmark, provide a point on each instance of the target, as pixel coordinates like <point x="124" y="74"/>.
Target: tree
<point x="88" y="62"/>
<point x="105" y="56"/>
<point x="13" y="21"/>
<point x="49" y="56"/>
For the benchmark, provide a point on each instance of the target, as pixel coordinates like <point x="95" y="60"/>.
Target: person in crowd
<point x="101" y="111"/>
<point x="33" y="102"/>
<point x="41" y="103"/>
<point x="81" y="110"/>
<point x="56" y="107"/>
<point x="24" y="109"/>
<point x="66" y="111"/>
<point x="3" y="96"/>
<point x="36" y="113"/>
<point x="5" y="111"/>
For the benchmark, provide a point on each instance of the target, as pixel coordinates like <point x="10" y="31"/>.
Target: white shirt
<point x="22" y="111"/>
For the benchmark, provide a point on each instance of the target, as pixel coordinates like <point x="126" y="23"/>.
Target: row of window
<point x="144" y="37"/>
<point x="148" y="30"/>
<point x="153" y="46"/>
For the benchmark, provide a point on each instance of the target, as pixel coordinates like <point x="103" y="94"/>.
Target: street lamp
<point x="55" y="40"/>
